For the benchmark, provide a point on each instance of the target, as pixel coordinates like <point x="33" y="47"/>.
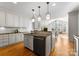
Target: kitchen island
<point x="39" y="42"/>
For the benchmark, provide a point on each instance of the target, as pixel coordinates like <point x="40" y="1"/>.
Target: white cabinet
<point x="21" y="21"/>
<point x="12" y="38"/>
<point x="31" y="42"/>
<point x="13" y="20"/>
<point x="9" y="19"/>
<point x="16" y="21"/>
<point x="28" y="41"/>
<point x="1" y="41"/>
<point x="25" y="22"/>
<point x="48" y="45"/>
<point x="5" y="40"/>
<point x="2" y="18"/>
<point x="19" y="37"/>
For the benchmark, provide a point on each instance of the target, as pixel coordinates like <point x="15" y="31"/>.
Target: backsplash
<point x="10" y="30"/>
<point x="7" y="30"/>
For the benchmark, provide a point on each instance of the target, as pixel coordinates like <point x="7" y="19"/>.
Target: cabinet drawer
<point x="5" y="42"/>
<point x="1" y="37"/>
<point x="12" y="38"/>
<point x="1" y="45"/>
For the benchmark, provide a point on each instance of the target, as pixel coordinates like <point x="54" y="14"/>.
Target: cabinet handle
<point x="39" y="38"/>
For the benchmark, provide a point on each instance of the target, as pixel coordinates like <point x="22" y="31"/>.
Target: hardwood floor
<point x="16" y="50"/>
<point x="62" y="48"/>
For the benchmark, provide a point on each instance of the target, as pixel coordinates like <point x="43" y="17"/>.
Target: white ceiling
<point x="25" y="8"/>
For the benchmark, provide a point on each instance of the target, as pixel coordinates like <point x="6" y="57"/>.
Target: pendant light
<point x="33" y="18"/>
<point x="48" y="16"/>
<point x="39" y="16"/>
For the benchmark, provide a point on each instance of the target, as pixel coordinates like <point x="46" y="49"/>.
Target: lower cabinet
<point x="48" y="45"/>
<point x="12" y="38"/>
<point x="19" y="37"/>
<point x="1" y="41"/>
<point x="28" y="41"/>
<point x="7" y="39"/>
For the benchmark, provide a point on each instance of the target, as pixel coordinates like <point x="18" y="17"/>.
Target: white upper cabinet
<point x="12" y="20"/>
<point x="21" y="20"/>
<point x="16" y="21"/>
<point x="2" y="18"/>
<point x="9" y="19"/>
<point x="25" y="22"/>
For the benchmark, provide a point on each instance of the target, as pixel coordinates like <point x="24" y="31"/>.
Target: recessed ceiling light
<point x="54" y="4"/>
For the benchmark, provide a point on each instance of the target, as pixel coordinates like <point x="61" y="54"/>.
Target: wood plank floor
<point x="16" y="50"/>
<point x="62" y="48"/>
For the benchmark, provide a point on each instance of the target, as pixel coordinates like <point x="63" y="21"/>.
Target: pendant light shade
<point x="39" y="16"/>
<point x="33" y="18"/>
<point x="48" y="16"/>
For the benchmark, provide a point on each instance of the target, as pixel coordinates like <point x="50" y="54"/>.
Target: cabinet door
<point x="25" y="22"/>
<point x="2" y="18"/>
<point x="28" y="41"/>
<point x="21" y="36"/>
<point x="1" y="41"/>
<point x="18" y="37"/>
<point x="5" y="40"/>
<point x="1" y="45"/>
<point x="21" y="21"/>
<point x="12" y="38"/>
<point x="16" y="40"/>
<point x="48" y="45"/>
<point x="9" y="19"/>
<point x="16" y="21"/>
<point x="31" y="42"/>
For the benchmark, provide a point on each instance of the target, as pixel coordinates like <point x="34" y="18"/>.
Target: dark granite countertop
<point x="39" y="34"/>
